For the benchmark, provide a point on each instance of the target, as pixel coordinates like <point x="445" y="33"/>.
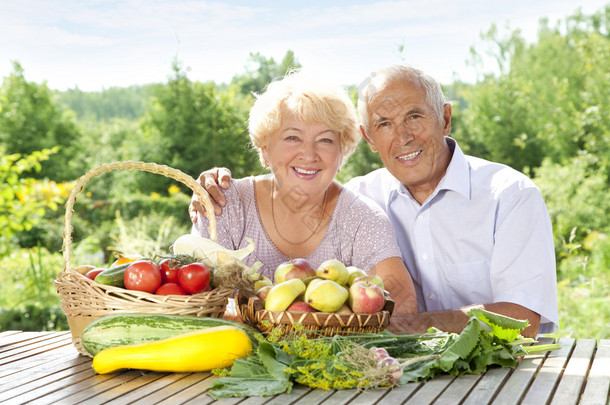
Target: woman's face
<point x="304" y="157"/>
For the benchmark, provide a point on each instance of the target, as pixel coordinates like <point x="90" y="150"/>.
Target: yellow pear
<point x="281" y="295"/>
<point x="327" y="296"/>
<point x="354" y="273"/>
<point x="344" y="310"/>
<point x="310" y="285"/>
<point x="333" y="270"/>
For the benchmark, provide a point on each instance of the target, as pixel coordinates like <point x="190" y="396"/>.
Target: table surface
<point x="45" y="368"/>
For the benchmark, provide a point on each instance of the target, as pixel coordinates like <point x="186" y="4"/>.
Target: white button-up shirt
<point x="483" y="236"/>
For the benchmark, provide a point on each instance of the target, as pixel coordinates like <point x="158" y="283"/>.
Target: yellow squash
<point x="189" y="352"/>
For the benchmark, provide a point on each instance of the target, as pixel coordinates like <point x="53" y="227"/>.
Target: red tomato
<point x="194" y="277"/>
<point x="169" y="270"/>
<point x="171" y="289"/>
<point x="142" y="275"/>
<point x="92" y="273"/>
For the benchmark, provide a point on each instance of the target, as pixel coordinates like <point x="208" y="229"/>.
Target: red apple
<point x="300" y="306"/>
<point x="262" y="292"/>
<point x="296" y="268"/>
<point x="366" y="297"/>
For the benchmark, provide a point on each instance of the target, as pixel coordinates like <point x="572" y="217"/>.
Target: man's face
<point x="409" y="138"/>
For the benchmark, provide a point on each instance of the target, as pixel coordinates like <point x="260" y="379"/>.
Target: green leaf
<point x="503" y="327"/>
<point x="422" y="370"/>
<point x="247" y="368"/>
<point x="462" y="346"/>
<point x="259" y="375"/>
<point x="274" y="359"/>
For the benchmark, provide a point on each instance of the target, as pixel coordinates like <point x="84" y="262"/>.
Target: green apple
<point x="373" y="278"/>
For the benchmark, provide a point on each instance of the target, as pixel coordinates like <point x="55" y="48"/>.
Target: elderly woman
<point x="304" y="130"/>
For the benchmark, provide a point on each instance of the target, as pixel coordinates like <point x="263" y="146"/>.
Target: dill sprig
<point x="335" y="362"/>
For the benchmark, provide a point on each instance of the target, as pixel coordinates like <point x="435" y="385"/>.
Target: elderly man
<point x="473" y="233"/>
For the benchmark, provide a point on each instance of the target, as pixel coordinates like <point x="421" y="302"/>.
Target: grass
<point x="584" y="308"/>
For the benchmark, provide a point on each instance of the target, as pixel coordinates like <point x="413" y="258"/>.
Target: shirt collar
<point x="396" y="188"/>
<point x="457" y="176"/>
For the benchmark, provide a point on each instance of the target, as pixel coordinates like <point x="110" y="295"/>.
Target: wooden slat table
<point x="45" y="368"/>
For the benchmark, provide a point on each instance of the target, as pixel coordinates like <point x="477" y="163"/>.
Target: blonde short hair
<point x="306" y="97"/>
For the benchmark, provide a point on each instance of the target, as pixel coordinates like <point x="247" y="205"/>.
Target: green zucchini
<point x="113" y="276"/>
<point x="123" y="329"/>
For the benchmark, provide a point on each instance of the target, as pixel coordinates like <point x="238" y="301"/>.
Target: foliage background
<point x="546" y="113"/>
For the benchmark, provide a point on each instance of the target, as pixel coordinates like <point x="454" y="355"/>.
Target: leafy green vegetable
<point x="462" y="347"/>
<point x="342" y="362"/>
<point x="502" y="326"/>
<point x="260" y="375"/>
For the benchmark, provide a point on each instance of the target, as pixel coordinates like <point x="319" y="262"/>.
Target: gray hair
<point x="379" y="80"/>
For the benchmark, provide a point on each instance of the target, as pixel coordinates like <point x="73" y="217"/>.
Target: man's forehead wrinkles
<point x="388" y="107"/>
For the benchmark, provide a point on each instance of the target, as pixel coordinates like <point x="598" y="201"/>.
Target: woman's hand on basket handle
<point x="212" y="181"/>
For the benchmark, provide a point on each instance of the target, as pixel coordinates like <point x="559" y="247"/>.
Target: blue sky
<point x="100" y="44"/>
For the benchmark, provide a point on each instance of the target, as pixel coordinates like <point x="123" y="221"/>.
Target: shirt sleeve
<point x="523" y="260"/>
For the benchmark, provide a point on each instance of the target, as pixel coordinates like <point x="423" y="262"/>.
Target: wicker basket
<point x="84" y="300"/>
<point x="251" y="310"/>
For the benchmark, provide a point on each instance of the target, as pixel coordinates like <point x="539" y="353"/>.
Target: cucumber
<point x="125" y="329"/>
<point x="113" y="276"/>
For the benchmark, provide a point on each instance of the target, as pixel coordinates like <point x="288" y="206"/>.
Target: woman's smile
<point x="305" y="173"/>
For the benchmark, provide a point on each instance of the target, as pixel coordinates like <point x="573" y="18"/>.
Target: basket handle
<point x="130" y="165"/>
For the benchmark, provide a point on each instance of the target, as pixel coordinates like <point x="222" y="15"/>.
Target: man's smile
<point x="410" y="156"/>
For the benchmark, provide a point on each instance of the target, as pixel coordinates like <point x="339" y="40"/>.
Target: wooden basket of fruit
<point x="321" y="304"/>
<point x="84" y="300"/>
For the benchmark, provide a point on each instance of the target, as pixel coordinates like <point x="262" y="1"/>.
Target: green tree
<point x="109" y="141"/>
<point x="20" y="206"/>
<point x="576" y="194"/>
<point x="193" y="126"/>
<point x="116" y="102"/>
<point x="31" y="120"/>
<point x="261" y="71"/>
<point x="550" y="99"/>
